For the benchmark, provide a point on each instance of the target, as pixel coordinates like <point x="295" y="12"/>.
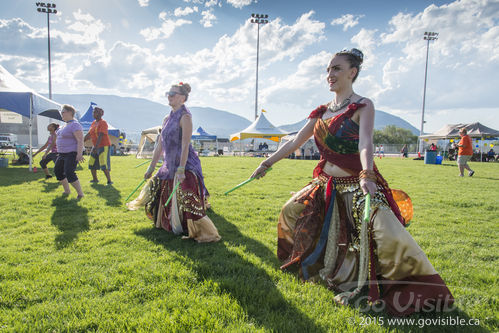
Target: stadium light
<point x="258" y="19"/>
<point x="428" y="36"/>
<point x="49" y="8"/>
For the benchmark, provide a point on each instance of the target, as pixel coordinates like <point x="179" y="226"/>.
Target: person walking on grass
<point x="50" y="148"/>
<point x="100" y="158"/>
<point x="321" y="231"/>
<point x="69" y="151"/>
<point x="464" y="153"/>
<point x="185" y="213"/>
<point x="404" y="151"/>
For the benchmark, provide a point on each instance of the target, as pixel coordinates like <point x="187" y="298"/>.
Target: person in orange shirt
<point x="465" y="152"/>
<point x="100" y="154"/>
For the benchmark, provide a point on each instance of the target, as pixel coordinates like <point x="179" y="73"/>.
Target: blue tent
<point x="16" y="97"/>
<point x="200" y="135"/>
<point x="87" y="119"/>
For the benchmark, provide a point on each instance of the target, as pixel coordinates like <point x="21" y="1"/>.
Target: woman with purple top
<point x="186" y="212"/>
<point x="51" y="149"/>
<point x="69" y="150"/>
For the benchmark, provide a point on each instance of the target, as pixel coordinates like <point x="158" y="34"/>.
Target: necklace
<point x="338" y="107"/>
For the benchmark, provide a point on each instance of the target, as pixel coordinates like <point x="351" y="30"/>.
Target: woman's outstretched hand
<point x="260" y="171"/>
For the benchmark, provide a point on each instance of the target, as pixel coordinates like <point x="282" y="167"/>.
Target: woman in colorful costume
<point x="185" y="214"/>
<point x="320" y="229"/>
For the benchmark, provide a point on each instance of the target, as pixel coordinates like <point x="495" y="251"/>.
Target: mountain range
<point x="132" y="115"/>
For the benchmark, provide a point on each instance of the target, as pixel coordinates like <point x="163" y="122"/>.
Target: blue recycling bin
<point x="430" y="157"/>
<point x="4" y="162"/>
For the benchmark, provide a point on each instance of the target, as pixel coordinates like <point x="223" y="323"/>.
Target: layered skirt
<point x="321" y="233"/>
<point x="185" y="213"/>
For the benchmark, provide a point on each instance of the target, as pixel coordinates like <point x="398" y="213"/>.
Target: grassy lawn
<point x="94" y="266"/>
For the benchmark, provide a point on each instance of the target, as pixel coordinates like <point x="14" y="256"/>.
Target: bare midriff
<point x="334" y="170"/>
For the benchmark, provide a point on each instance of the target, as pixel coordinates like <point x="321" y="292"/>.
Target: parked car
<point x="8" y="140"/>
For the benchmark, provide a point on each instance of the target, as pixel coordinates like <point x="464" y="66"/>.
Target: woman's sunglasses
<point x="172" y="93"/>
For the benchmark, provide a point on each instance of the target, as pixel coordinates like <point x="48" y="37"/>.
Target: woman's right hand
<point x="260" y="171"/>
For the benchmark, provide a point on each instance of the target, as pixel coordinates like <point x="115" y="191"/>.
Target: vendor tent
<point x="147" y="142"/>
<point x="261" y="128"/>
<point x="446" y="132"/>
<point x="475" y="130"/>
<point x="201" y="135"/>
<point x="16" y="97"/>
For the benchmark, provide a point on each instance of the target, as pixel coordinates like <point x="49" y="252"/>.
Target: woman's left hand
<point x="180" y="175"/>
<point x="367" y="186"/>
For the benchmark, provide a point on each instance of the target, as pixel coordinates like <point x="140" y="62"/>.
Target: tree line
<point x="392" y="134"/>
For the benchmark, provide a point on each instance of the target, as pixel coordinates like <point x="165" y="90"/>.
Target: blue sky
<point x="140" y="47"/>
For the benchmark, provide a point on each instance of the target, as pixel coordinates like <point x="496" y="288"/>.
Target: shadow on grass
<point x="50" y="185"/>
<point x="109" y="193"/>
<point x="254" y="290"/>
<point x="70" y="219"/>
<point x="18" y="175"/>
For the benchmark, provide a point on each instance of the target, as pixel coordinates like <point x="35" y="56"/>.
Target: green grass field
<point x="94" y="266"/>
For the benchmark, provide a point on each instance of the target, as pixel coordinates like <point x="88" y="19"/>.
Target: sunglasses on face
<point x="172" y="93"/>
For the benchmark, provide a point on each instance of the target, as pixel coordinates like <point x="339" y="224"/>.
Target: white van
<point x="8" y="140"/>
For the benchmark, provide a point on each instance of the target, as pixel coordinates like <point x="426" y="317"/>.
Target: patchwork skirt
<point x="322" y="235"/>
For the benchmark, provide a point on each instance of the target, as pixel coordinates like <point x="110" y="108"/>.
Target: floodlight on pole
<point x="49" y="8"/>
<point x="258" y="19"/>
<point x="428" y="36"/>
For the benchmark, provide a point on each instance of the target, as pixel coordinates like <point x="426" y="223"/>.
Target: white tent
<point x="475" y="130"/>
<point x="16" y="97"/>
<point x="261" y="128"/>
<point x="147" y="142"/>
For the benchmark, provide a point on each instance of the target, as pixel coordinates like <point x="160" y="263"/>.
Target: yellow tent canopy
<point x="261" y="128"/>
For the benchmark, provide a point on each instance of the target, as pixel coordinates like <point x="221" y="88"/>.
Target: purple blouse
<point x="66" y="142"/>
<point x="171" y="141"/>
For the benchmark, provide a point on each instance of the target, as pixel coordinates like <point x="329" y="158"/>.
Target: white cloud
<point x="143" y="3"/>
<point x="165" y="30"/>
<point x="87" y="29"/>
<point x="208" y="18"/>
<point x="460" y="61"/>
<point x="306" y="87"/>
<point x="240" y="3"/>
<point x="282" y="41"/>
<point x="347" y="21"/>
<point x="366" y="41"/>
<point x="211" y="3"/>
<point x="185" y="11"/>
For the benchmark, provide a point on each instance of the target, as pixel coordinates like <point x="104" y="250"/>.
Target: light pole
<point x="428" y="36"/>
<point x="48" y="8"/>
<point x="258" y="19"/>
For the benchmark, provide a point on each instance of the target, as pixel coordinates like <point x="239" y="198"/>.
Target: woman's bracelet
<point x="180" y="169"/>
<point x="368" y="175"/>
